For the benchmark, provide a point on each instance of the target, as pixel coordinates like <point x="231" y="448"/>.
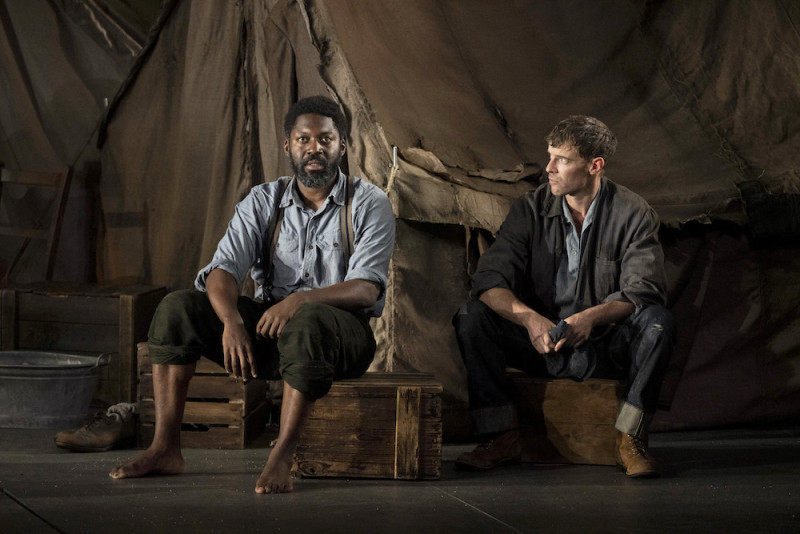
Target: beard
<point x="316" y="179"/>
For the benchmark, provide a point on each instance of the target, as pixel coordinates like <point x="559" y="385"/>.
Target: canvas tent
<point x="702" y="96"/>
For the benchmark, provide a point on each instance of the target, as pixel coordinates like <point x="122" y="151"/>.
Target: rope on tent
<point x="393" y="172"/>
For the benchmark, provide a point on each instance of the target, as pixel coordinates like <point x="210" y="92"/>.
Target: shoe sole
<point x="461" y="466"/>
<point x="645" y="474"/>
<point x="81" y="448"/>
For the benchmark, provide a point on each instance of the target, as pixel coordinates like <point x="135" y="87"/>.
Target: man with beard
<point x="309" y="322"/>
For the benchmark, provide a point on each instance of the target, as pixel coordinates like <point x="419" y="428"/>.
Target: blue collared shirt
<point x="309" y="253"/>
<point x="567" y="276"/>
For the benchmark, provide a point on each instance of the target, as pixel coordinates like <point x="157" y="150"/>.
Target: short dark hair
<point x="591" y="137"/>
<point x="318" y="105"/>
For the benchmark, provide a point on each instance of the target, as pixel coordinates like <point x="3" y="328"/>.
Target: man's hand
<point x="579" y="328"/>
<point x="538" y="328"/>
<point x="237" y="350"/>
<point x="275" y="318"/>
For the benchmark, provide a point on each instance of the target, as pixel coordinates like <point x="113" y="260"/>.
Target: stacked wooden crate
<point x="221" y="412"/>
<point x="82" y="319"/>
<point x="382" y="425"/>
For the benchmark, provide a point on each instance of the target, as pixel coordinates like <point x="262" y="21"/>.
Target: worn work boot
<point x="504" y="449"/>
<point x="107" y="430"/>
<point x="634" y="457"/>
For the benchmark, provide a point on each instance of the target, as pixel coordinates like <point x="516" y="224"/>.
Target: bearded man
<point x="318" y="246"/>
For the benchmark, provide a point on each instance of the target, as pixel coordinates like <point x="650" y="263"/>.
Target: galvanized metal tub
<point x="46" y="389"/>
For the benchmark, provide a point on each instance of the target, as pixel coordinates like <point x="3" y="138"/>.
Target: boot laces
<point x="639" y="446"/>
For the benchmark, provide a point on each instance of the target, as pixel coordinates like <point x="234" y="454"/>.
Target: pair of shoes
<point x="505" y="449"/>
<point x="107" y="430"/>
<point x="634" y="457"/>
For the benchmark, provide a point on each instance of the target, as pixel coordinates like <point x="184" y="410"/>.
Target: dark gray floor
<point x="714" y="482"/>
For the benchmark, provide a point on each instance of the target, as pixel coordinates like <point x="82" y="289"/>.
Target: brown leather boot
<point x="634" y="457"/>
<point x="504" y="449"/>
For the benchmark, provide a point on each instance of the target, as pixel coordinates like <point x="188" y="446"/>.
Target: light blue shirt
<point x="309" y="253"/>
<point x="567" y="276"/>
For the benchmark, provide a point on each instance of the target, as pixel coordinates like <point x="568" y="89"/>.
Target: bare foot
<point x="276" y="476"/>
<point x="149" y="463"/>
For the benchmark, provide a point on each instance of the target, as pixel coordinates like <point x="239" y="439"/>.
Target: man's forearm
<point x="223" y="293"/>
<point x="608" y="312"/>
<point x="507" y="305"/>
<point x="351" y="294"/>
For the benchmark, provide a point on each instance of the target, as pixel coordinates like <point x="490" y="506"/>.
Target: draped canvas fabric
<point x="702" y="96"/>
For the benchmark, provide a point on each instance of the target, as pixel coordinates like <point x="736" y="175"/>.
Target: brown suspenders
<point x="274" y="230"/>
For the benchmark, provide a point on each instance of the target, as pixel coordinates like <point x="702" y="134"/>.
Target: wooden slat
<point x="214" y="387"/>
<point x="63" y="309"/>
<point x="66" y="337"/>
<point x="232" y="437"/>
<point x="208" y="413"/>
<point x="406" y="458"/>
<point x="363" y="467"/>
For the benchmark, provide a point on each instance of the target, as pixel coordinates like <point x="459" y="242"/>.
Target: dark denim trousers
<point x="637" y="349"/>
<point x="318" y="345"/>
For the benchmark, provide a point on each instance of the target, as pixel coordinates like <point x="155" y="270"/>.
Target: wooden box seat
<point x="563" y="421"/>
<point x="382" y="425"/>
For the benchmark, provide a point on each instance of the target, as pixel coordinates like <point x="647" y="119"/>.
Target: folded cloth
<point x="114" y="428"/>
<point x="577" y="363"/>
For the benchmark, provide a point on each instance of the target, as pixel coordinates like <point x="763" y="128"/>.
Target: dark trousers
<point x="318" y="345"/>
<point x="637" y="349"/>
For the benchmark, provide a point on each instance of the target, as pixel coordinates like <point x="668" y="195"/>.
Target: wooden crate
<point x="82" y="319"/>
<point x="382" y="425"/>
<point x="220" y="413"/>
<point x="563" y="421"/>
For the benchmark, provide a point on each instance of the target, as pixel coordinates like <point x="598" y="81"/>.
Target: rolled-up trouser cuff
<point x="314" y="379"/>
<point x="632" y="420"/>
<point x="495" y="419"/>
<point x="171" y="355"/>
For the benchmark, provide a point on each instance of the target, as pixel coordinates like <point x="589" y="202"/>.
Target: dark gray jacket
<point x="622" y="261"/>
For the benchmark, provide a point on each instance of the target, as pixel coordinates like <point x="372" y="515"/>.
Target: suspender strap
<point x="273" y="230"/>
<point x="346" y="222"/>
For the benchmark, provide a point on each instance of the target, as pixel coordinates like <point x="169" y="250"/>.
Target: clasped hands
<point x="576" y="331"/>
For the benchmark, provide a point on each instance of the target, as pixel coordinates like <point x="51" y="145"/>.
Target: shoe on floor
<point x="504" y="449"/>
<point x="106" y="430"/>
<point x="634" y="457"/>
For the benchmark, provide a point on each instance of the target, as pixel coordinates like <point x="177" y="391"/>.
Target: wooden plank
<point x="208" y="413"/>
<point x="8" y="317"/>
<point x="127" y="348"/>
<point x="217" y="437"/>
<point x="67" y="309"/>
<point x="214" y="387"/>
<point x="362" y="467"/>
<point x="66" y="337"/>
<point x="406" y="457"/>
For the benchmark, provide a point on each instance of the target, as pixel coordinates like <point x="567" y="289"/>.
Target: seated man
<point x="583" y="252"/>
<point x="309" y="323"/>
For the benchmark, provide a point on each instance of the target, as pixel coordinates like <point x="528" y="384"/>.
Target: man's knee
<point x="657" y="321"/>
<point x="470" y="318"/>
